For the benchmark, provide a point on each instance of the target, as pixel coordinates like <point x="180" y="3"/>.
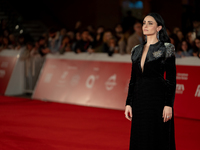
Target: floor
<point x="27" y="124"/>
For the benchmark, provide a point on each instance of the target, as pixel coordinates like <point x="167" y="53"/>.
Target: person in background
<point x="91" y="30"/>
<point x="6" y="33"/>
<point x="122" y="43"/>
<point x="175" y="30"/>
<point x="65" y="45"/>
<point x="112" y="47"/>
<point x="183" y="50"/>
<point x="43" y="49"/>
<point x="99" y="36"/>
<point x="118" y="32"/>
<point x="190" y="37"/>
<point x="196" y="51"/>
<point x="29" y="46"/>
<point x="196" y="26"/>
<point x="84" y="45"/>
<point x="1" y="40"/>
<point x="4" y="27"/>
<point x="173" y="37"/>
<point x="41" y="41"/>
<point x="180" y="36"/>
<point x="45" y="36"/>
<point x="21" y="42"/>
<point x="54" y="40"/>
<point x="12" y="40"/>
<point x="136" y="38"/>
<point x="71" y="35"/>
<point x="35" y="50"/>
<point x="27" y="51"/>
<point x="6" y="44"/>
<point x="63" y="32"/>
<point x="105" y="44"/>
<point x="74" y="42"/>
<point x="77" y="26"/>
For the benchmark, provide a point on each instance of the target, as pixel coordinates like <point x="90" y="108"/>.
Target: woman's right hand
<point x="128" y="112"/>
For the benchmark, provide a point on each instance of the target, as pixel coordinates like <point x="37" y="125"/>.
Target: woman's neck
<point x="151" y="40"/>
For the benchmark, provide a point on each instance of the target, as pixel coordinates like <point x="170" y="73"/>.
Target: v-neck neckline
<point x="142" y="68"/>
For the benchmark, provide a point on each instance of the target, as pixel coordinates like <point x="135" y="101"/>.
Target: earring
<point x="158" y="36"/>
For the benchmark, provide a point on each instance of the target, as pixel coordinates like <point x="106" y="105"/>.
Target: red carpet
<point x="35" y="125"/>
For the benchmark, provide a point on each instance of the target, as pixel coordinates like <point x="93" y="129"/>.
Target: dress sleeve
<point x="131" y="83"/>
<point x="170" y="68"/>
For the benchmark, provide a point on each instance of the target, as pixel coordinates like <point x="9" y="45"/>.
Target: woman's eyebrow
<point x="147" y="21"/>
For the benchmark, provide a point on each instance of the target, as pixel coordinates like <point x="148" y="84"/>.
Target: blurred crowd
<point x="121" y="39"/>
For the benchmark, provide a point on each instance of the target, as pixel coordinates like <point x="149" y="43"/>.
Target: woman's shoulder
<point x="170" y="49"/>
<point x="134" y="48"/>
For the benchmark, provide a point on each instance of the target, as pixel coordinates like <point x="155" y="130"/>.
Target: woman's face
<point x="100" y="30"/>
<point x="184" y="46"/>
<point x="78" y="36"/>
<point x="66" y="40"/>
<point x="150" y="26"/>
<point x="197" y="43"/>
<point x="180" y="35"/>
<point x="112" y="42"/>
<point x="118" y="28"/>
<point x="108" y="35"/>
<point x="29" y="47"/>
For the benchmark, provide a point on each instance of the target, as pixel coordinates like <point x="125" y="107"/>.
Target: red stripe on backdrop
<point x="105" y="84"/>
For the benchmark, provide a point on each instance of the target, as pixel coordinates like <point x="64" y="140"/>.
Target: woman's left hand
<point x="167" y="113"/>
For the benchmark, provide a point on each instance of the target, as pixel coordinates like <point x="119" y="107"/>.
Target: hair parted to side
<point x="163" y="36"/>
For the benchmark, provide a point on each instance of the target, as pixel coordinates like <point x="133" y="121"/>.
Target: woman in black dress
<point x="152" y="88"/>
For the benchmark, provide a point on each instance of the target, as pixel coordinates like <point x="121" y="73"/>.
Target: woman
<point x="183" y="50"/>
<point x="150" y="97"/>
<point x="104" y="47"/>
<point x="197" y="47"/>
<point x="65" y="45"/>
<point x="6" y="44"/>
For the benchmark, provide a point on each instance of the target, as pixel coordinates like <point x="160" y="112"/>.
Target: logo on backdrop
<point x="90" y="81"/>
<point x="180" y="88"/>
<point x="75" y="80"/>
<point x="48" y="77"/>
<point x="62" y="79"/>
<point x="182" y="76"/>
<point x="72" y="68"/>
<point x="111" y="82"/>
<point x="63" y="76"/>
<point x="2" y="73"/>
<point x="197" y="93"/>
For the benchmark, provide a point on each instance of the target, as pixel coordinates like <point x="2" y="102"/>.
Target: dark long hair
<point x="160" y="22"/>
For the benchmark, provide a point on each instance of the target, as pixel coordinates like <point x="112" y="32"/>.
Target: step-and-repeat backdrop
<point x="100" y="81"/>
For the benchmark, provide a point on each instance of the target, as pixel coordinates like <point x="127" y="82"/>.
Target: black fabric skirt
<point x="148" y="131"/>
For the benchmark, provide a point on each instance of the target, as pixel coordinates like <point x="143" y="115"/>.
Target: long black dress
<point x="149" y="91"/>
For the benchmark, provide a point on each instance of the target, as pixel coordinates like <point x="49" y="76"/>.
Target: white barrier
<point x="13" y="68"/>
